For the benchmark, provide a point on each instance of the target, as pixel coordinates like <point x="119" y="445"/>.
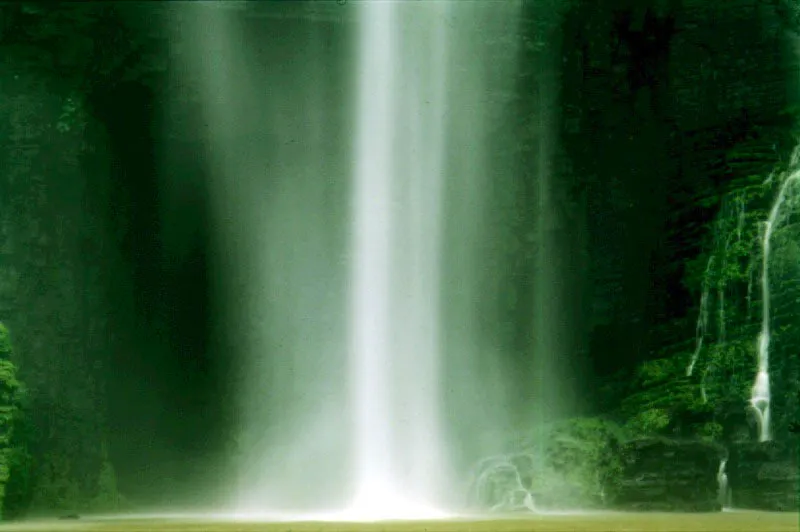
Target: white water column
<point x="760" y="398"/>
<point x="395" y="259"/>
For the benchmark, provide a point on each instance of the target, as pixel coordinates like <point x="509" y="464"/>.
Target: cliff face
<point x="726" y="58"/>
<point x="653" y="97"/>
<point x="51" y="277"/>
<point x="764" y="476"/>
<point x="669" y="475"/>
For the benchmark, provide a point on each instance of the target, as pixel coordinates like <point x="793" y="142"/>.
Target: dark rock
<point x="660" y="474"/>
<point x="764" y="476"/>
<point x="738" y="422"/>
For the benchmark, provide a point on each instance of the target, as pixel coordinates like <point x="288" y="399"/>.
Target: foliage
<point x="568" y="464"/>
<point x="5" y="343"/>
<point x="10" y="393"/>
<point x="729" y="371"/>
<point x="76" y="52"/>
<point x="725" y="278"/>
<point x="711" y="431"/>
<point x="649" y="422"/>
<point x="581" y="457"/>
<point x="662" y="394"/>
<point x="107" y="498"/>
<point x="19" y="489"/>
<point x="56" y="487"/>
<point x="666" y="401"/>
<point x="73" y="116"/>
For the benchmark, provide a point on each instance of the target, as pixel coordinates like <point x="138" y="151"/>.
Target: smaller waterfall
<point x="728" y="231"/>
<point x="702" y="320"/>
<point x="722" y="482"/>
<point x="760" y="396"/>
<point x="396" y="246"/>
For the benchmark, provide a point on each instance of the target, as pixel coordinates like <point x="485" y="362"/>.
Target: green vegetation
<point x="571" y="464"/>
<point x="42" y="485"/>
<point x="60" y="59"/>
<point x="580" y="462"/>
<point x="107" y="497"/>
<point x="12" y="452"/>
<point x="724" y="279"/>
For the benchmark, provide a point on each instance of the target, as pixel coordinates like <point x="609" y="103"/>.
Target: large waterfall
<point x="396" y="245"/>
<point x="365" y="230"/>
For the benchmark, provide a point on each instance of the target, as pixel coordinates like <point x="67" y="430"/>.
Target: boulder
<point x="764" y="476"/>
<point x="660" y="474"/>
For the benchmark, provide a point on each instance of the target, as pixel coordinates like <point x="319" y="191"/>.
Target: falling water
<point x="725" y="236"/>
<point x="722" y="483"/>
<point x="394" y="320"/>
<point x="702" y="320"/>
<point x="357" y="394"/>
<point x="279" y="169"/>
<point x="760" y="395"/>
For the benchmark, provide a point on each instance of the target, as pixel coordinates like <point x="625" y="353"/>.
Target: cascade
<point x="722" y="482"/>
<point x="394" y="321"/>
<point x="760" y="397"/>
<point x="702" y="319"/>
<point x="357" y="387"/>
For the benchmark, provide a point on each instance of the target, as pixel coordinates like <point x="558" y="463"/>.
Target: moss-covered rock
<point x="10" y="390"/>
<point x="764" y="476"/>
<point x="568" y="465"/>
<point x="661" y="474"/>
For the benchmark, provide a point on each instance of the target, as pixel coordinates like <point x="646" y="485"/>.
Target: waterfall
<point x="419" y="345"/>
<point x="394" y="320"/>
<point x="760" y="395"/>
<point x="722" y="482"/>
<point x="702" y="319"/>
<point x="338" y="251"/>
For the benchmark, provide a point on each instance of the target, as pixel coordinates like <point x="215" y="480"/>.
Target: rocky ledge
<point x="764" y="476"/>
<point x="660" y="474"/>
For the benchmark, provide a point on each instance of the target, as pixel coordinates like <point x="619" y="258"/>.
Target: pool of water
<point x="727" y="521"/>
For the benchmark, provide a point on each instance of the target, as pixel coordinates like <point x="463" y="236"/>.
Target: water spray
<point x="500" y="475"/>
